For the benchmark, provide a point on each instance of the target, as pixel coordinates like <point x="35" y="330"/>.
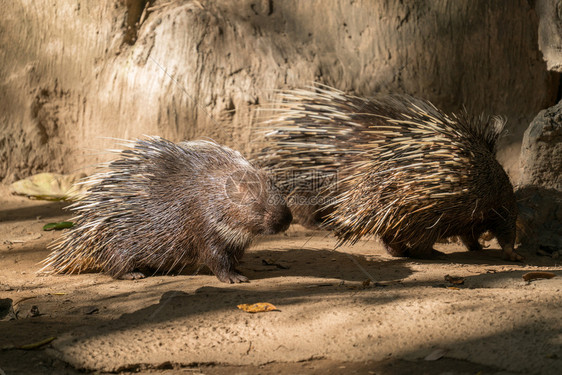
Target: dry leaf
<point x="454" y="280"/>
<point x="36" y="345"/>
<point x="271" y="262"/>
<point x="258" y="307"/>
<point x="453" y="288"/>
<point x="538" y="275"/>
<point x="48" y="186"/>
<point x="32" y="346"/>
<point x="34" y="311"/>
<point x="435" y="355"/>
<point x="90" y="310"/>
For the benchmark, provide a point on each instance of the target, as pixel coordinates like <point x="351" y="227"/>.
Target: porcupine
<point x="393" y="166"/>
<point x="162" y="206"/>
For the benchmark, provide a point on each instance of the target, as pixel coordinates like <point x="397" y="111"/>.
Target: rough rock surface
<point x="550" y="32"/>
<point x="541" y="150"/>
<point x="200" y="68"/>
<point x="540" y="188"/>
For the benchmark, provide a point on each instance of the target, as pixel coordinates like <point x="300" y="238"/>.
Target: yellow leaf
<point x="37" y="344"/>
<point x="454" y="280"/>
<point x="32" y="346"/>
<point x="257" y="307"/>
<point x="538" y="275"/>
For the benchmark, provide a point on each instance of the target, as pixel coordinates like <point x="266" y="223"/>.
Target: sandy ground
<point x="331" y="320"/>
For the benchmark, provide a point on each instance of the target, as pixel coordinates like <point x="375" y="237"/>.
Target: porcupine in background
<point x="392" y="166"/>
<point x="162" y="206"/>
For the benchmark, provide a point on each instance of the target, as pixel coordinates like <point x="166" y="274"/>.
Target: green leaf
<point x="58" y="226"/>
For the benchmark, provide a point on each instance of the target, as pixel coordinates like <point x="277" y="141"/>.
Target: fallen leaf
<point x="48" y="186"/>
<point x="318" y="285"/>
<point x="453" y="288"/>
<point x="34" y="311"/>
<point x="257" y="307"/>
<point x="37" y="344"/>
<point x="436" y="354"/>
<point x="366" y="283"/>
<point x="24" y="238"/>
<point x="31" y="346"/>
<point x="249" y="348"/>
<point x="23" y="299"/>
<point x="91" y="310"/>
<point x="59" y="225"/>
<point x="271" y="262"/>
<point x="454" y="280"/>
<point x="538" y="275"/>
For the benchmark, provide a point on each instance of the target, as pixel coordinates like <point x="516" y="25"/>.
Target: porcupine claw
<point x="233" y="277"/>
<point x="132" y="276"/>
<point x="510" y="254"/>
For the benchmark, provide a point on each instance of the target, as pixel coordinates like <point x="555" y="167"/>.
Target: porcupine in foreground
<point x="392" y="166"/>
<point x="162" y="206"/>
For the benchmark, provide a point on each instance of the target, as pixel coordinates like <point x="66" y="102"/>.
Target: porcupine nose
<point x="282" y="220"/>
<point x="286" y="221"/>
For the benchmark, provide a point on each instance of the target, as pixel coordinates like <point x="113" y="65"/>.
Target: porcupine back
<point x="406" y="171"/>
<point x="162" y="206"/>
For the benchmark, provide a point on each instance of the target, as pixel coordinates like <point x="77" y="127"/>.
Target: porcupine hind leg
<point x="471" y="242"/>
<point x="223" y="264"/>
<point x="422" y="250"/>
<point x="124" y="269"/>
<point x="135" y="275"/>
<point x="395" y="248"/>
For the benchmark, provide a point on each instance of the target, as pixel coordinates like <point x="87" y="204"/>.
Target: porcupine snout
<point x="503" y="227"/>
<point x="257" y="198"/>
<point x="277" y="216"/>
<point x="278" y="220"/>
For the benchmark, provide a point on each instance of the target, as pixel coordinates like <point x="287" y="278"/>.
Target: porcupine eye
<point x="243" y="188"/>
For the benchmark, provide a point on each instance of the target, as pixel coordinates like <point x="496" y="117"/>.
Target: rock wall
<point x="541" y="152"/>
<point x="539" y="196"/>
<point x="550" y="32"/>
<point x="201" y="68"/>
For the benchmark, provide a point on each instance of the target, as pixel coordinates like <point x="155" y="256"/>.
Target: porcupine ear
<point x="495" y="129"/>
<point x="482" y="129"/>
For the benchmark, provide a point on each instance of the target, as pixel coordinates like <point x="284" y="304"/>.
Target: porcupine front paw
<point x="135" y="275"/>
<point x="509" y="254"/>
<point x="471" y="242"/>
<point x="232" y="277"/>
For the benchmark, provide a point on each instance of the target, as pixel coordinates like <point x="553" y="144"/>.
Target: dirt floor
<point x="354" y="310"/>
